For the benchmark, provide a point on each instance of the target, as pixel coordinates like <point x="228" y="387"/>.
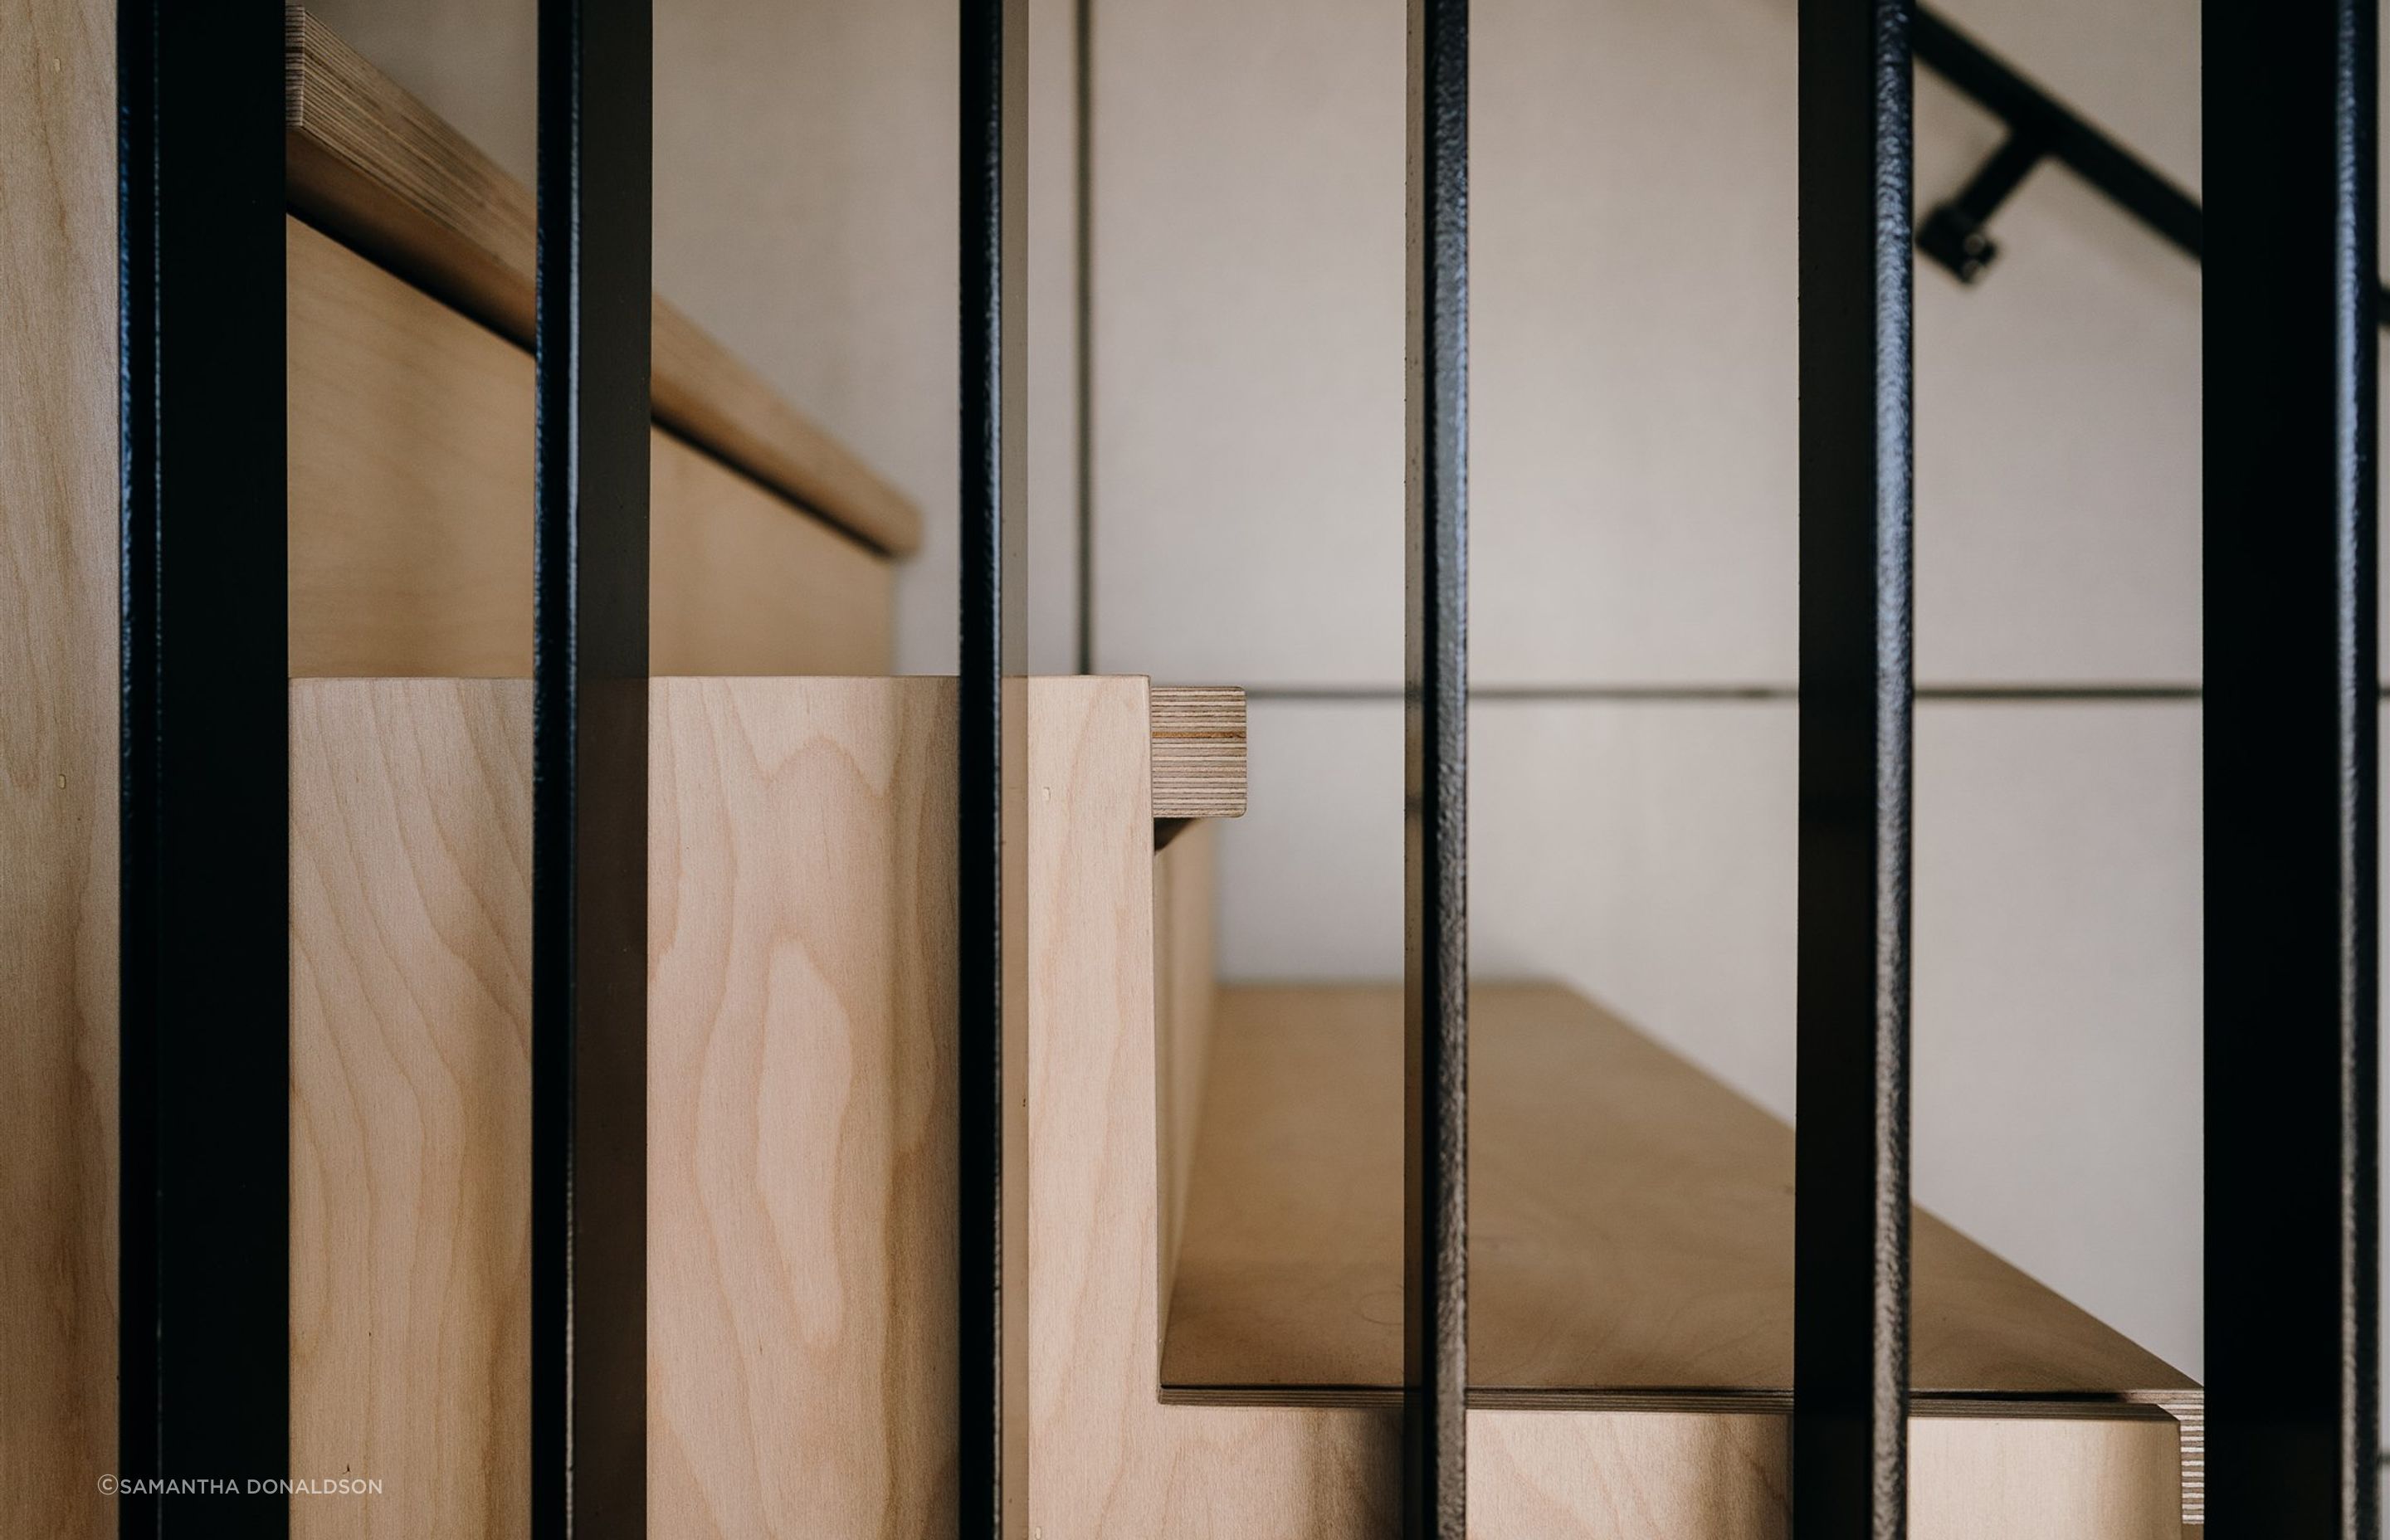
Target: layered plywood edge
<point x="374" y="166"/>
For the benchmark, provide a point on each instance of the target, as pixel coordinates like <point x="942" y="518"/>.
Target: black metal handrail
<point x="1955" y="234"/>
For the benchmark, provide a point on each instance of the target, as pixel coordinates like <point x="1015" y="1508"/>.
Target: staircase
<point x="1210" y="1201"/>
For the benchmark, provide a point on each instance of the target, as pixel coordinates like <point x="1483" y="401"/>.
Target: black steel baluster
<point x="589" y="804"/>
<point x="2290" y="769"/>
<point x="1436" y="784"/>
<point x="1850" y="1374"/>
<point x="204" y="964"/>
<point x="992" y="742"/>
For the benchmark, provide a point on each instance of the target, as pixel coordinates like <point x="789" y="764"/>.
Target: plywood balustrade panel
<point x="410" y="1104"/>
<point x="1106" y="1458"/>
<point x="801" y="1270"/>
<point x="410" y="499"/>
<point x="58" y="767"/>
<point x="801" y="1261"/>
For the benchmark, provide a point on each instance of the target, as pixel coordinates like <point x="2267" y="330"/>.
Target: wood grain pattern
<point x="1106" y="1457"/>
<point x="1199" y="752"/>
<point x="1631" y="1219"/>
<point x="369" y="162"/>
<point x="802" y="1083"/>
<point x="1722" y="1476"/>
<point x="410" y="1103"/>
<point x="1989" y="1477"/>
<point x="801" y="1105"/>
<point x="58" y="764"/>
<point x="802" y="1108"/>
<point x="1185" y="974"/>
<point x="410" y="508"/>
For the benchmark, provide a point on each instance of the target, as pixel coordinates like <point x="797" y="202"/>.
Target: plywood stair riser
<point x="410" y="509"/>
<point x="802" y="1101"/>
<point x="382" y="172"/>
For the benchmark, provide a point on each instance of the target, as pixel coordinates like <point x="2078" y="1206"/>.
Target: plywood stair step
<point x="1630" y="1234"/>
<point x="381" y="171"/>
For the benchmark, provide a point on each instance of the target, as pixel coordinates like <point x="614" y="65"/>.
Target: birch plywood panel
<point x="801" y="1104"/>
<point x="1186" y="980"/>
<point x="57" y="767"/>
<point x="1631" y="1226"/>
<point x="800" y="1239"/>
<point x="410" y="432"/>
<point x="387" y="175"/>
<point x="2053" y="1472"/>
<point x="1106" y="1456"/>
<point x="410" y="1103"/>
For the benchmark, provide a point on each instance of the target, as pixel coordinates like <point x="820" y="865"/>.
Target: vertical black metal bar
<point x="1436" y="784"/>
<point x="589" y="759"/>
<point x="1084" y="298"/>
<point x="992" y="746"/>
<point x="1850" y="1371"/>
<point x="2291" y="768"/>
<point x="204" y="799"/>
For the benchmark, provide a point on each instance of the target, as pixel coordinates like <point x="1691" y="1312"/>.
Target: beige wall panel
<point x="2055" y="1066"/>
<point x="410" y="1093"/>
<point x="58" y="767"/>
<point x="1633" y="368"/>
<point x="411" y="509"/>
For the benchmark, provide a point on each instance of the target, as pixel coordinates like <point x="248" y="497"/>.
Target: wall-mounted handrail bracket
<point x="1955" y="233"/>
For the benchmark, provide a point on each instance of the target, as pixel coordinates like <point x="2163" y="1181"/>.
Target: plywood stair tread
<point x="1630" y="1223"/>
<point x="370" y="164"/>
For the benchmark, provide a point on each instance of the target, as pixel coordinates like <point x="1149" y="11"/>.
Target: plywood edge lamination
<point x="372" y="165"/>
<point x="1199" y="752"/>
